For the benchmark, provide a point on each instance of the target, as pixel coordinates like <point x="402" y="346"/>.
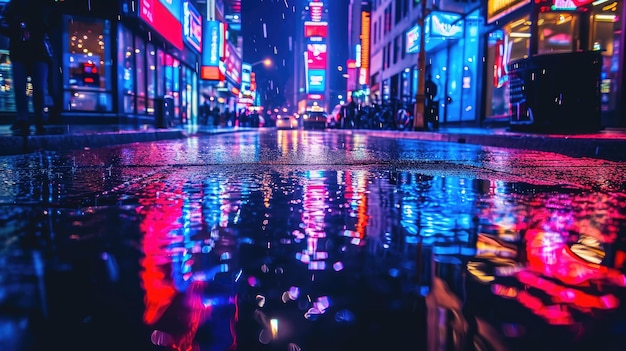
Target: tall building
<point x="138" y="61"/>
<point x="469" y="48"/>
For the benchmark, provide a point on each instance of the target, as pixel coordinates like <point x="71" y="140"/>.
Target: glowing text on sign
<point x="365" y="48"/>
<point x="192" y="28"/>
<point x="316" y="9"/>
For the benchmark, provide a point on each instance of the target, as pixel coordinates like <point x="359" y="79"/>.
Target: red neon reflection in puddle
<point x="556" y="271"/>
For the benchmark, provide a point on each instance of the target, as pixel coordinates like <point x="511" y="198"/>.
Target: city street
<point x="294" y="240"/>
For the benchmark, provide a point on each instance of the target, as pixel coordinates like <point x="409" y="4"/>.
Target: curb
<point x="15" y="145"/>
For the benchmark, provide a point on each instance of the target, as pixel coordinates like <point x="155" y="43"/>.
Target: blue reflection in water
<point x="321" y="259"/>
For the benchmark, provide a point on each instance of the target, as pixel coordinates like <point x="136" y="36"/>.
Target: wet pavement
<point x="609" y="143"/>
<point x="295" y="240"/>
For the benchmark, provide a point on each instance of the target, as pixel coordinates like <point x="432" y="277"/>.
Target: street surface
<point x="311" y="240"/>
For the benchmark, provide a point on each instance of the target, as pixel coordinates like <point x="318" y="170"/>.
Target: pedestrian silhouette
<point x="28" y="26"/>
<point x="430" y="88"/>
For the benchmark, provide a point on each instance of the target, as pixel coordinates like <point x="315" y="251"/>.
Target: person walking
<point x="28" y="25"/>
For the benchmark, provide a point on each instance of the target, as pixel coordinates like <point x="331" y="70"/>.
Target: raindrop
<point x="312" y="314"/>
<point x="265" y="336"/>
<point x="260" y="300"/>
<point x="160" y="338"/>
<point x="293" y="347"/>
<point x="265" y="268"/>
<point x="285" y="297"/>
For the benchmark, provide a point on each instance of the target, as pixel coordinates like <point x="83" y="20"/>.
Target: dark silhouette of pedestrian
<point x="430" y="89"/>
<point x="28" y="27"/>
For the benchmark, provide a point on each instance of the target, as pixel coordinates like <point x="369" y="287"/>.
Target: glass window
<point x="151" y="81"/>
<point x="510" y="43"/>
<point x="160" y="73"/>
<point x="171" y="71"/>
<point x="126" y="56"/>
<point x="558" y="32"/>
<point x="140" y="75"/>
<point x="87" y="81"/>
<point x="606" y="24"/>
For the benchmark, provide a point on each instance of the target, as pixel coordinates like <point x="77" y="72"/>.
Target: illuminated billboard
<point x="315" y="29"/>
<point x="316" y="80"/>
<point x="233" y="64"/>
<point x="316" y="56"/>
<point x="443" y="25"/>
<point x="316" y="10"/>
<point x="364" y="71"/>
<point x="498" y="8"/>
<point x="192" y="26"/>
<point x="213" y="35"/>
<point x="165" y="16"/>
<point x="413" y="40"/>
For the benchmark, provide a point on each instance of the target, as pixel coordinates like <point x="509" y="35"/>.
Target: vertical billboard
<point x="316" y="10"/>
<point x="165" y="17"/>
<point x="213" y="37"/>
<point x="192" y="26"/>
<point x="233" y="64"/>
<point x="364" y="73"/>
<point x="316" y="56"/>
<point x="316" y="80"/>
<point x="413" y="40"/>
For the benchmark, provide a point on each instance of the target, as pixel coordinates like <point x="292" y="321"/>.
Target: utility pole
<point x="420" y="97"/>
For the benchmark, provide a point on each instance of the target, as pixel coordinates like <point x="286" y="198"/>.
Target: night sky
<point x="268" y="29"/>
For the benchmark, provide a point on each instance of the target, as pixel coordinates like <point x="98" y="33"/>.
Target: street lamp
<point x="419" y="122"/>
<point x="267" y="62"/>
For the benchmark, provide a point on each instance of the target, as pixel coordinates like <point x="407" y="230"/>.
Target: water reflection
<point x="237" y="259"/>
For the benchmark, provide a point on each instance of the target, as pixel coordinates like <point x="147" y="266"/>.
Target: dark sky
<point x="268" y="27"/>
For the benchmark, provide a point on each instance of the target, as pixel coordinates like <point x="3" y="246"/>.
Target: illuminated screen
<point x="165" y="17"/>
<point x="316" y="80"/>
<point x="444" y="25"/>
<point x="413" y="40"/>
<point x="233" y="64"/>
<point x="315" y="29"/>
<point x="213" y="43"/>
<point x="316" y="56"/>
<point x="193" y="26"/>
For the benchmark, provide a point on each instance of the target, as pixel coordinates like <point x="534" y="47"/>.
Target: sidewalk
<point x="609" y="144"/>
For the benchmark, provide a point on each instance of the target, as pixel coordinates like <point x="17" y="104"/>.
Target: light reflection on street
<point x="306" y="257"/>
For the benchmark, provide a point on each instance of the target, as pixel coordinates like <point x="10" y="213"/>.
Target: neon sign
<point x="192" y="28"/>
<point x="164" y="16"/>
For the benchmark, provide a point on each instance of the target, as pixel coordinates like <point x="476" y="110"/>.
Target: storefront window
<point x="7" y="97"/>
<point x="140" y="64"/>
<point x="126" y="57"/>
<point x="558" y="32"/>
<point x="507" y="44"/>
<point x="87" y="80"/>
<point x="171" y="69"/>
<point x="606" y="25"/>
<point x="151" y="77"/>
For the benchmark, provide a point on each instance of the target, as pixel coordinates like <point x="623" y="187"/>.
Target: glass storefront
<point x="147" y="73"/>
<point x="557" y="32"/>
<point x="87" y="65"/>
<point x="509" y="43"/>
<point x="453" y="61"/>
<point x="606" y="31"/>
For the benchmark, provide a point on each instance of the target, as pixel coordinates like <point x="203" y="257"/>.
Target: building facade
<point x="470" y="45"/>
<point x="121" y="59"/>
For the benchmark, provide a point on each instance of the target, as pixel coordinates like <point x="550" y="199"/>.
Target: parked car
<point x="334" y="119"/>
<point x="314" y="119"/>
<point x="287" y="121"/>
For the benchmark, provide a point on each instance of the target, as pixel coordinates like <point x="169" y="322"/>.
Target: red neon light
<point x="163" y="21"/>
